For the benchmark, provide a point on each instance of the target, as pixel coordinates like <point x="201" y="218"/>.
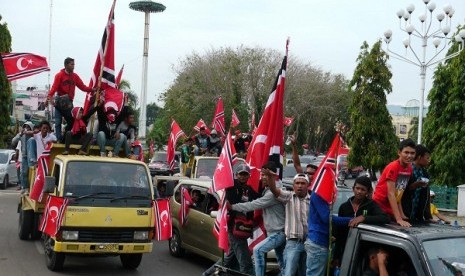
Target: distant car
<point x="159" y="166"/>
<point x="8" y="173"/>
<point x="307" y="159"/>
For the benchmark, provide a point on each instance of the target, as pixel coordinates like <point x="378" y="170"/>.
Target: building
<point x="404" y="117"/>
<point x="29" y="104"/>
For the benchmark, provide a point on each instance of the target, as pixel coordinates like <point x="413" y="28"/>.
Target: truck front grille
<point x="106" y="235"/>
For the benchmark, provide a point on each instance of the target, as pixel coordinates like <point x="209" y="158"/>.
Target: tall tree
<point x="371" y="136"/>
<point x="5" y="87"/>
<point x="444" y="128"/>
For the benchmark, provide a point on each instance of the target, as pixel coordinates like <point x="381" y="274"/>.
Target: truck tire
<point x="131" y="261"/>
<point x="175" y="244"/>
<point x="53" y="260"/>
<point x="26" y="220"/>
<point x="5" y="182"/>
<point x="35" y="232"/>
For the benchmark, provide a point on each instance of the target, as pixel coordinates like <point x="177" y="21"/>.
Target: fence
<point x="446" y="197"/>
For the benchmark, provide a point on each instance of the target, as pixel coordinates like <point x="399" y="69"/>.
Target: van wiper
<point x="93" y="194"/>
<point x="130" y="197"/>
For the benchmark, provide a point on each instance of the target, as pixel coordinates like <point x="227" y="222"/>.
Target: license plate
<point x="106" y="247"/>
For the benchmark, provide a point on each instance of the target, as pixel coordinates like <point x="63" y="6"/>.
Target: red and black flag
<point x="176" y="132"/>
<point x="268" y="139"/>
<point x="105" y="62"/>
<point x="21" y="65"/>
<point x="218" y="119"/>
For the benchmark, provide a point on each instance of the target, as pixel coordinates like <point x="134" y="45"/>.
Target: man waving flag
<point x="267" y="142"/>
<point x="176" y="132"/>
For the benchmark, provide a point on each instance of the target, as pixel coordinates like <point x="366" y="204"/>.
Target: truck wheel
<point x="26" y="219"/>
<point x="35" y="233"/>
<point x="54" y="260"/>
<point x="5" y="183"/>
<point x="175" y="244"/>
<point x="131" y="261"/>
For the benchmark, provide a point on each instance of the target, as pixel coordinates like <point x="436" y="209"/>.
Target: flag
<point x="288" y="121"/>
<point x="113" y="100"/>
<point x="234" y="119"/>
<point x="176" y="132"/>
<point x="200" y="124"/>
<point x="42" y="171"/>
<point x="105" y="56"/>
<point x="186" y="202"/>
<point x="324" y="182"/>
<point x="21" y="65"/>
<point x="163" y="223"/>
<point x="53" y="215"/>
<point x="223" y="177"/>
<point x="218" y="119"/>
<point x="267" y="142"/>
<point x="220" y="228"/>
<point x="258" y="235"/>
<point x="120" y="74"/>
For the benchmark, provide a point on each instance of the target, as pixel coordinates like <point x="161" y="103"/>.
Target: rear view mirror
<point x="49" y="184"/>
<point x="213" y="214"/>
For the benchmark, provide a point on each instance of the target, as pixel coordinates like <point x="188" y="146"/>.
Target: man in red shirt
<point x="64" y="85"/>
<point x="393" y="181"/>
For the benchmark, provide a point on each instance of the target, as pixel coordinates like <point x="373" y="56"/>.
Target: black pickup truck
<point x="429" y="249"/>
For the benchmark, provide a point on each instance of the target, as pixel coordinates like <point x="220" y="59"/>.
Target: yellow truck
<point x="109" y="211"/>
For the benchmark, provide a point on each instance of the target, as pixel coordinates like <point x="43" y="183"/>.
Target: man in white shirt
<point x="37" y="146"/>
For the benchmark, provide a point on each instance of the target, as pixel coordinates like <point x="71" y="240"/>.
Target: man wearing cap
<point x="238" y="247"/>
<point x="297" y="204"/>
<point x="202" y="141"/>
<point x="361" y="209"/>
<point x="21" y="139"/>
<point x="273" y="220"/>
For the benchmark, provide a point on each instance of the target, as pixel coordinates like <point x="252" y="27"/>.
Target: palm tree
<point x="125" y="86"/>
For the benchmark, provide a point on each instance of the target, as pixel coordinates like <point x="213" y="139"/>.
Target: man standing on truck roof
<point x="393" y="182"/>
<point x="297" y="204"/>
<point x="273" y="219"/>
<point x="361" y="209"/>
<point x="64" y="84"/>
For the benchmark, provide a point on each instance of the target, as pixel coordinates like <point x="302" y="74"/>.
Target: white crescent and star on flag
<point x="19" y="63"/>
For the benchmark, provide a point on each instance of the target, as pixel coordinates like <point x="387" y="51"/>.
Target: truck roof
<point x="420" y="232"/>
<point x="93" y="158"/>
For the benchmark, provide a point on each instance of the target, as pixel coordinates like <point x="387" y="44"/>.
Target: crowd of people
<point x="298" y="222"/>
<point x="111" y="128"/>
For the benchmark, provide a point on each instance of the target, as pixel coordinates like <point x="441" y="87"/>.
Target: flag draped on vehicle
<point x="163" y="223"/>
<point x="234" y="119"/>
<point x="105" y="62"/>
<point x="42" y="171"/>
<point x="267" y="142"/>
<point x="176" y="132"/>
<point x="218" y="119"/>
<point x="186" y="202"/>
<point x="53" y="215"/>
<point x="223" y="177"/>
<point x="21" y="65"/>
<point x="220" y="228"/>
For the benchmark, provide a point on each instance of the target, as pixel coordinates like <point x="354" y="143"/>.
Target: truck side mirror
<point x="49" y="184"/>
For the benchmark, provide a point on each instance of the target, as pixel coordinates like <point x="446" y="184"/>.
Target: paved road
<point x="24" y="258"/>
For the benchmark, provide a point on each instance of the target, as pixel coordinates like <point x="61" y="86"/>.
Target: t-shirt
<point x="20" y="154"/>
<point x="400" y="176"/>
<point x="42" y="142"/>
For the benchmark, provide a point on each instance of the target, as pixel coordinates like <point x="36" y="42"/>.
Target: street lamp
<point x="439" y="36"/>
<point x="147" y="7"/>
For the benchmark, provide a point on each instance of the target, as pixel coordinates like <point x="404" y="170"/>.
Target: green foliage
<point x="371" y="136"/>
<point x="244" y="77"/>
<point x="5" y="87"/>
<point x="444" y="128"/>
<point x="413" y="131"/>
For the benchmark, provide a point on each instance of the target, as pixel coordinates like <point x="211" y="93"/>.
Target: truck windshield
<point x="117" y="179"/>
<point x="446" y="256"/>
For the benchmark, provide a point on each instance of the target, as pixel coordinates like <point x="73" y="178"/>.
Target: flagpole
<point x="99" y="83"/>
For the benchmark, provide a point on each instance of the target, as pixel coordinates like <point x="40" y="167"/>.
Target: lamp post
<point x="147" y="7"/>
<point x="439" y="36"/>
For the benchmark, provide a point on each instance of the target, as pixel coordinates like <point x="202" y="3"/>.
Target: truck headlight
<point x="141" y="235"/>
<point x="70" y="235"/>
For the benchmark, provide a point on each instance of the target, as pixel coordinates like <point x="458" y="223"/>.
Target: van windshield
<point x="114" y="179"/>
<point x="446" y="256"/>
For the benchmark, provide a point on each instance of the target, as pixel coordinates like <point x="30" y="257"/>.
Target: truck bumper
<point x="102" y="248"/>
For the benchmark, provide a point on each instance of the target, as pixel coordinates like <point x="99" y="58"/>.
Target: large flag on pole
<point x="234" y="119"/>
<point x="176" y="132"/>
<point x="105" y="56"/>
<point x="268" y="140"/>
<point x="21" y="65"/>
<point x="223" y="177"/>
<point x="218" y="119"/>
<point x="42" y="171"/>
<point x="200" y="124"/>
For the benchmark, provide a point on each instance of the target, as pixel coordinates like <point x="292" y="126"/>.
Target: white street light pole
<point x="424" y="34"/>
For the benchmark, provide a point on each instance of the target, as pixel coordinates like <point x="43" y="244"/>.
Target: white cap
<point x="301" y="176"/>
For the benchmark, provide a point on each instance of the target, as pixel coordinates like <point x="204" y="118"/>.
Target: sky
<point x="328" y="34"/>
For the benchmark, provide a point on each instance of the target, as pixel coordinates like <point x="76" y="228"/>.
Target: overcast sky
<point x="326" y="33"/>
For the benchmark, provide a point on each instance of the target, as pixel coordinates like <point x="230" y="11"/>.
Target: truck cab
<point x="426" y="249"/>
<point x="109" y="211"/>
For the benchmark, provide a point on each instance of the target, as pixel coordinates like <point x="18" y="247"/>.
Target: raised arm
<point x="295" y="155"/>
